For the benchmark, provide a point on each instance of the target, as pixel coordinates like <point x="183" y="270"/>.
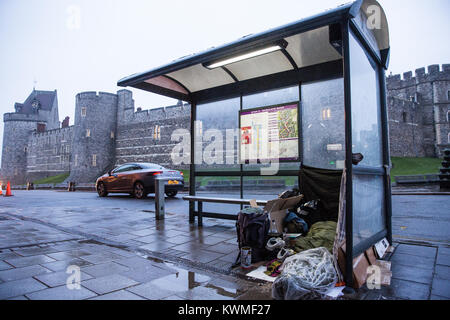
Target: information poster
<point x="269" y="134"/>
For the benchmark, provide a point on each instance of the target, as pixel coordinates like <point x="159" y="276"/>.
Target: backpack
<point x="252" y="228"/>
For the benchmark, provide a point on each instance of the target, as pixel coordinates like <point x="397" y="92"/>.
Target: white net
<point x="305" y="272"/>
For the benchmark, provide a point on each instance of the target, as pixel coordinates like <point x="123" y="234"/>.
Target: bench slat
<point x="223" y="200"/>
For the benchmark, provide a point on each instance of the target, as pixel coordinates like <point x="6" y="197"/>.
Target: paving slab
<point x="118" y="295"/>
<point x="4" y="266"/>
<point x="406" y="290"/>
<point x="109" y="283"/>
<point x="20" y="287"/>
<point x="21" y="273"/>
<point x="443" y="259"/>
<point x="410" y="273"/>
<point x="56" y="279"/>
<point x="29" y="261"/>
<point x="413" y="261"/>
<point x="151" y="291"/>
<point x="61" y="293"/>
<point x="63" y="264"/>
<point x="442" y="272"/>
<point x="421" y="251"/>
<point x="104" y="269"/>
<point x="441" y="288"/>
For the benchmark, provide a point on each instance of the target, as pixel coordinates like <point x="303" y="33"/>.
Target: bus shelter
<point x="321" y="80"/>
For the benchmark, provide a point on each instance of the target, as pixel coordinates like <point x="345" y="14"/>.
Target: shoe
<point x="284" y="253"/>
<point x="275" y="243"/>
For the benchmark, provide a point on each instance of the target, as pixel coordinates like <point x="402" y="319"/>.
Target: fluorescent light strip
<point x="243" y="57"/>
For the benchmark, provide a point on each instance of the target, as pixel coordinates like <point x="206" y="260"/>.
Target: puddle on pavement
<point x="184" y="280"/>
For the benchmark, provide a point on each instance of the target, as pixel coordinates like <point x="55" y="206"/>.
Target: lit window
<point x="88" y="133"/>
<point x="83" y="111"/>
<point x="94" y="160"/>
<point x="326" y="114"/>
<point x="157" y="133"/>
<point x="112" y="134"/>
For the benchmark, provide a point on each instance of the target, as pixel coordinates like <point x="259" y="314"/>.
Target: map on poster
<point x="269" y="134"/>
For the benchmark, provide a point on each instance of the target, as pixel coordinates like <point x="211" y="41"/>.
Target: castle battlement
<point x="161" y="113"/>
<point x="435" y="73"/>
<point x="96" y="95"/>
<point x="53" y="132"/>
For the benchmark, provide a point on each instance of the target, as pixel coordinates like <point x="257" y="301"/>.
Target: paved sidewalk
<point x="29" y="270"/>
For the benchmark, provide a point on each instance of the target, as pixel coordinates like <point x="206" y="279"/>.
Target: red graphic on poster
<point x="246" y="137"/>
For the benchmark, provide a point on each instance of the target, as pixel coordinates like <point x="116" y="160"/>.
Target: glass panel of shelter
<point x="368" y="190"/>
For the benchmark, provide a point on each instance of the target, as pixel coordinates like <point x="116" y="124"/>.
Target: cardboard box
<point x="360" y="265"/>
<point x="370" y="255"/>
<point x="384" y="264"/>
<point x="278" y="209"/>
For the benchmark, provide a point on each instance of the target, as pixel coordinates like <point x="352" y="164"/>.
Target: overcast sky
<point x="43" y="41"/>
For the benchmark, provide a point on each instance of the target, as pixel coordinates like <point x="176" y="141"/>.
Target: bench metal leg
<point x="191" y="211"/>
<point x="200" y="213"/>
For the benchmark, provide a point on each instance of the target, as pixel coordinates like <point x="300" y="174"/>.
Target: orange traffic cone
<point x="8" y="190"/>
<point x="1" y="187"/>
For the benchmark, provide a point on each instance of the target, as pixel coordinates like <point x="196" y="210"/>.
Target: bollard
<point x="159" y="198"/>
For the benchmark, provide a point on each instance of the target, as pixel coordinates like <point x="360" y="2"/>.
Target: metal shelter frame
<point x="343" y="22"/>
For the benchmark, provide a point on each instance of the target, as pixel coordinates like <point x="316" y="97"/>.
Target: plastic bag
<point x="307" y="274"/>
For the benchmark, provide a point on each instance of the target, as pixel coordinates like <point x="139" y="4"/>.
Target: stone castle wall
<point x="147" y="135"/>
<point x="421" y="101"/>
<point x="49" y="153"/>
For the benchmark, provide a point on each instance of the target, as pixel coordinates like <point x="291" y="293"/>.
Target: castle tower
<point x="93" y="151"/>
<point x="38" y="112"/>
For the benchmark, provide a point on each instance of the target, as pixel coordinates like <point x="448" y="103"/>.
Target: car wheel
<point x="101" y="189"/>
<point x="139" y="191"/>
<point x="171" y="194"/>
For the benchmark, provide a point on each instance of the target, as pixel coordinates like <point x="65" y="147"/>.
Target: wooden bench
<point x="200" y="214"/>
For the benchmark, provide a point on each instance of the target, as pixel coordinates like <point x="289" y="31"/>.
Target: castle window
<point x="112" y="134"/>
<point x="448" y="95"/>
<point x="83" y="111"/>
<point x="88" y="133"/>
<point x="157" y="133"/>
<point x="94" y="160"/>
<point x="404" y="116"/>
<point x="448" y="116"/>
<point x="25" y="149"/>
<point x="68" y="148"/>
<point x="326" y="114"/>
<point x="76" y="160"/>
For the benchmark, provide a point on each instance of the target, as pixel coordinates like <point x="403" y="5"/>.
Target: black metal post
<point x="348" y="159"/>
<point x="192" y="164"/>
<point x="386" y="153"/>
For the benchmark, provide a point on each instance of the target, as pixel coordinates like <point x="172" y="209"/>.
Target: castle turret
<point x="40" y="110"/>
<point x="93" y="136"/>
